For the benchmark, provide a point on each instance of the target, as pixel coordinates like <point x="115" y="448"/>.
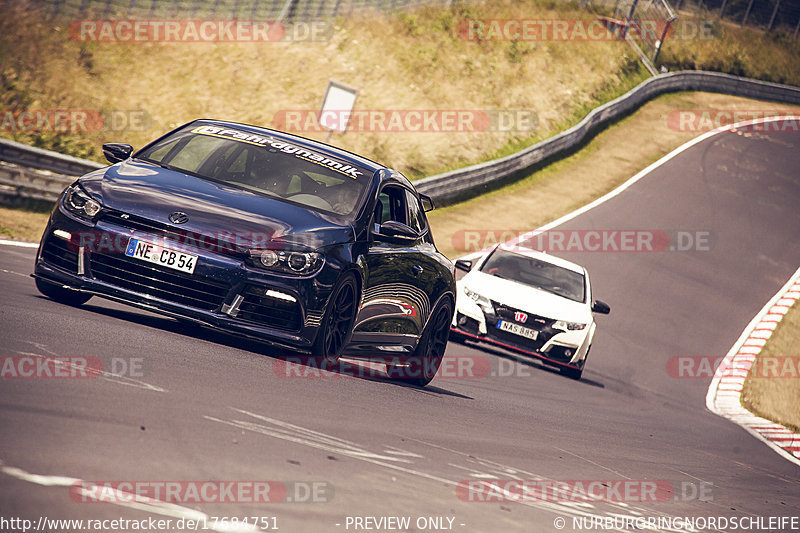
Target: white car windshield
<point x="539" y="274"/>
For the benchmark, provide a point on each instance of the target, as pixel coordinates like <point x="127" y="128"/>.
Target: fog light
<point x="280" y="295"/>
<point x="63" y="234"/>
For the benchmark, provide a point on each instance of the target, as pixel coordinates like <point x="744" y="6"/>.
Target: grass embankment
<point x="408" y="60"/>
<point x="774" y="391"/>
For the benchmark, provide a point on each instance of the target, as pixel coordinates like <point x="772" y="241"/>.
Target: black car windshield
<point x="540" y="274"/>
<point x="262" y="164"/>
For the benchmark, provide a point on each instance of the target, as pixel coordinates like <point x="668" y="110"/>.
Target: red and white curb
<point x="725" y="391"/>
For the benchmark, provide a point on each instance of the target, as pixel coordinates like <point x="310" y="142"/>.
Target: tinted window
<point x="391" y="205"/>
<point x="539" y="274"/>
<point x="416" y="219"/>
<point x="263" y="164"/>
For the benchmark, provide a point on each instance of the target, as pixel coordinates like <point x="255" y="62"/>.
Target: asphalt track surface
<point x="206" y="406"/>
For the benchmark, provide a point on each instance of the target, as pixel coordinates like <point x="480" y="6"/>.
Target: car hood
<point x="153" y="192"/>
<point x="526" y="298"/>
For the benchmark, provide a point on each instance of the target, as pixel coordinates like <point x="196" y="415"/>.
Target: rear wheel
<point x="60" y="294"/>
<point x="337" y="324"/>
<point x="421" y="367"/>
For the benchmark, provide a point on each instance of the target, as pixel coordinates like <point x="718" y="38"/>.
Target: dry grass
<point x="21" y="225"/>
<point x="606" y="162"/>
<point x="411" y="60"/>
<point x="725" y="47"/>
<point x="777" y="398"/>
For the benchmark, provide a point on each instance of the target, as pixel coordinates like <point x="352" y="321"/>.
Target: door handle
<point x="417" y="270"/>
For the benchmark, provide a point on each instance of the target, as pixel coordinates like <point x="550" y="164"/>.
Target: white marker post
<point x="336" y="107"/>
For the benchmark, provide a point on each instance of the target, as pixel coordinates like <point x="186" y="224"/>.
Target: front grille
<point x="269" y="311"/>
<point x="222" y="243"/>
<point x="59" y="253"/>
<point x="541" y="324"/>
<point x="157" y="281"/>
<point x="533" y="321"/>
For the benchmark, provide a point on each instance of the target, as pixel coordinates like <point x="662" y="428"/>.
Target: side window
<point x="391" y="205"/>
<point x="416" y="219"/>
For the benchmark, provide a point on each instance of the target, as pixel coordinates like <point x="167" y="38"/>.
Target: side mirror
<point x="116" y="152"/>
<point x="427" y="202"/>
<point x="393" y="231"/>
<point x="600" y="307"/>
<point x="463" y="264"/>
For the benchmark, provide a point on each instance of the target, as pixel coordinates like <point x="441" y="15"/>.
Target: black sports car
<point x="263" y="234"/>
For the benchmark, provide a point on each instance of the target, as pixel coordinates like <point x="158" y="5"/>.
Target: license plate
<point x="516" y="329"/>
<point x="161" y="255"/>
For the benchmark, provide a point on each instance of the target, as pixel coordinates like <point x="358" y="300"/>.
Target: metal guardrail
<point x="475" y="179"/>
<point x="27" y="180"/>
<point x="28" y="173"/>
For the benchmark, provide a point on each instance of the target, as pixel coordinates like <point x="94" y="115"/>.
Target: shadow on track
<point x="300" y="366"/>
<point x="528" y="362"/>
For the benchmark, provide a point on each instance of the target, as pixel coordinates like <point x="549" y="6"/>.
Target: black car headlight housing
<point x="299" y="262"/>
<point x="79" y="203"/>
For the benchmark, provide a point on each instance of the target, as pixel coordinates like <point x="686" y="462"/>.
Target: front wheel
<point x="576" y="373"/>
<point x="337" y="324"/>
<point x="60" y="294"/>
<point x="421" y="367"/>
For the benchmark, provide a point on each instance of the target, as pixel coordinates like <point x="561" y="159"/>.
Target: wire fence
<point x="768" y="15"/>
<point x="283" y="10"/>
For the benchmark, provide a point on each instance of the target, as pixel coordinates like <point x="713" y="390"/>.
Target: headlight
<point x="288" y="261"/>
<point x="482" y="301"/>
<point x="79" y="203"/>
<point x="568" y="326"/>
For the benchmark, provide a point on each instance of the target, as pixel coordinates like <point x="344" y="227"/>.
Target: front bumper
<point x="553" y="346"/>
<point x="223" y="292"/>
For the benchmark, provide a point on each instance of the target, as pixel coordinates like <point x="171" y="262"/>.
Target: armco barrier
<point x="449" y="186"/>
<point x="35" y="174"/>
<point x="475" y="179"/>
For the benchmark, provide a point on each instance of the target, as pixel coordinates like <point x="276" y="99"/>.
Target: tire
<point x="423" y="365"/>
<point x="337" y="323"/>
<point x="60" y="294"/>
<point x="572" y="373"/>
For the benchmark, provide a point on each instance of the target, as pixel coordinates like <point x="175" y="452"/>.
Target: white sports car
<point x="530" y="302"/>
